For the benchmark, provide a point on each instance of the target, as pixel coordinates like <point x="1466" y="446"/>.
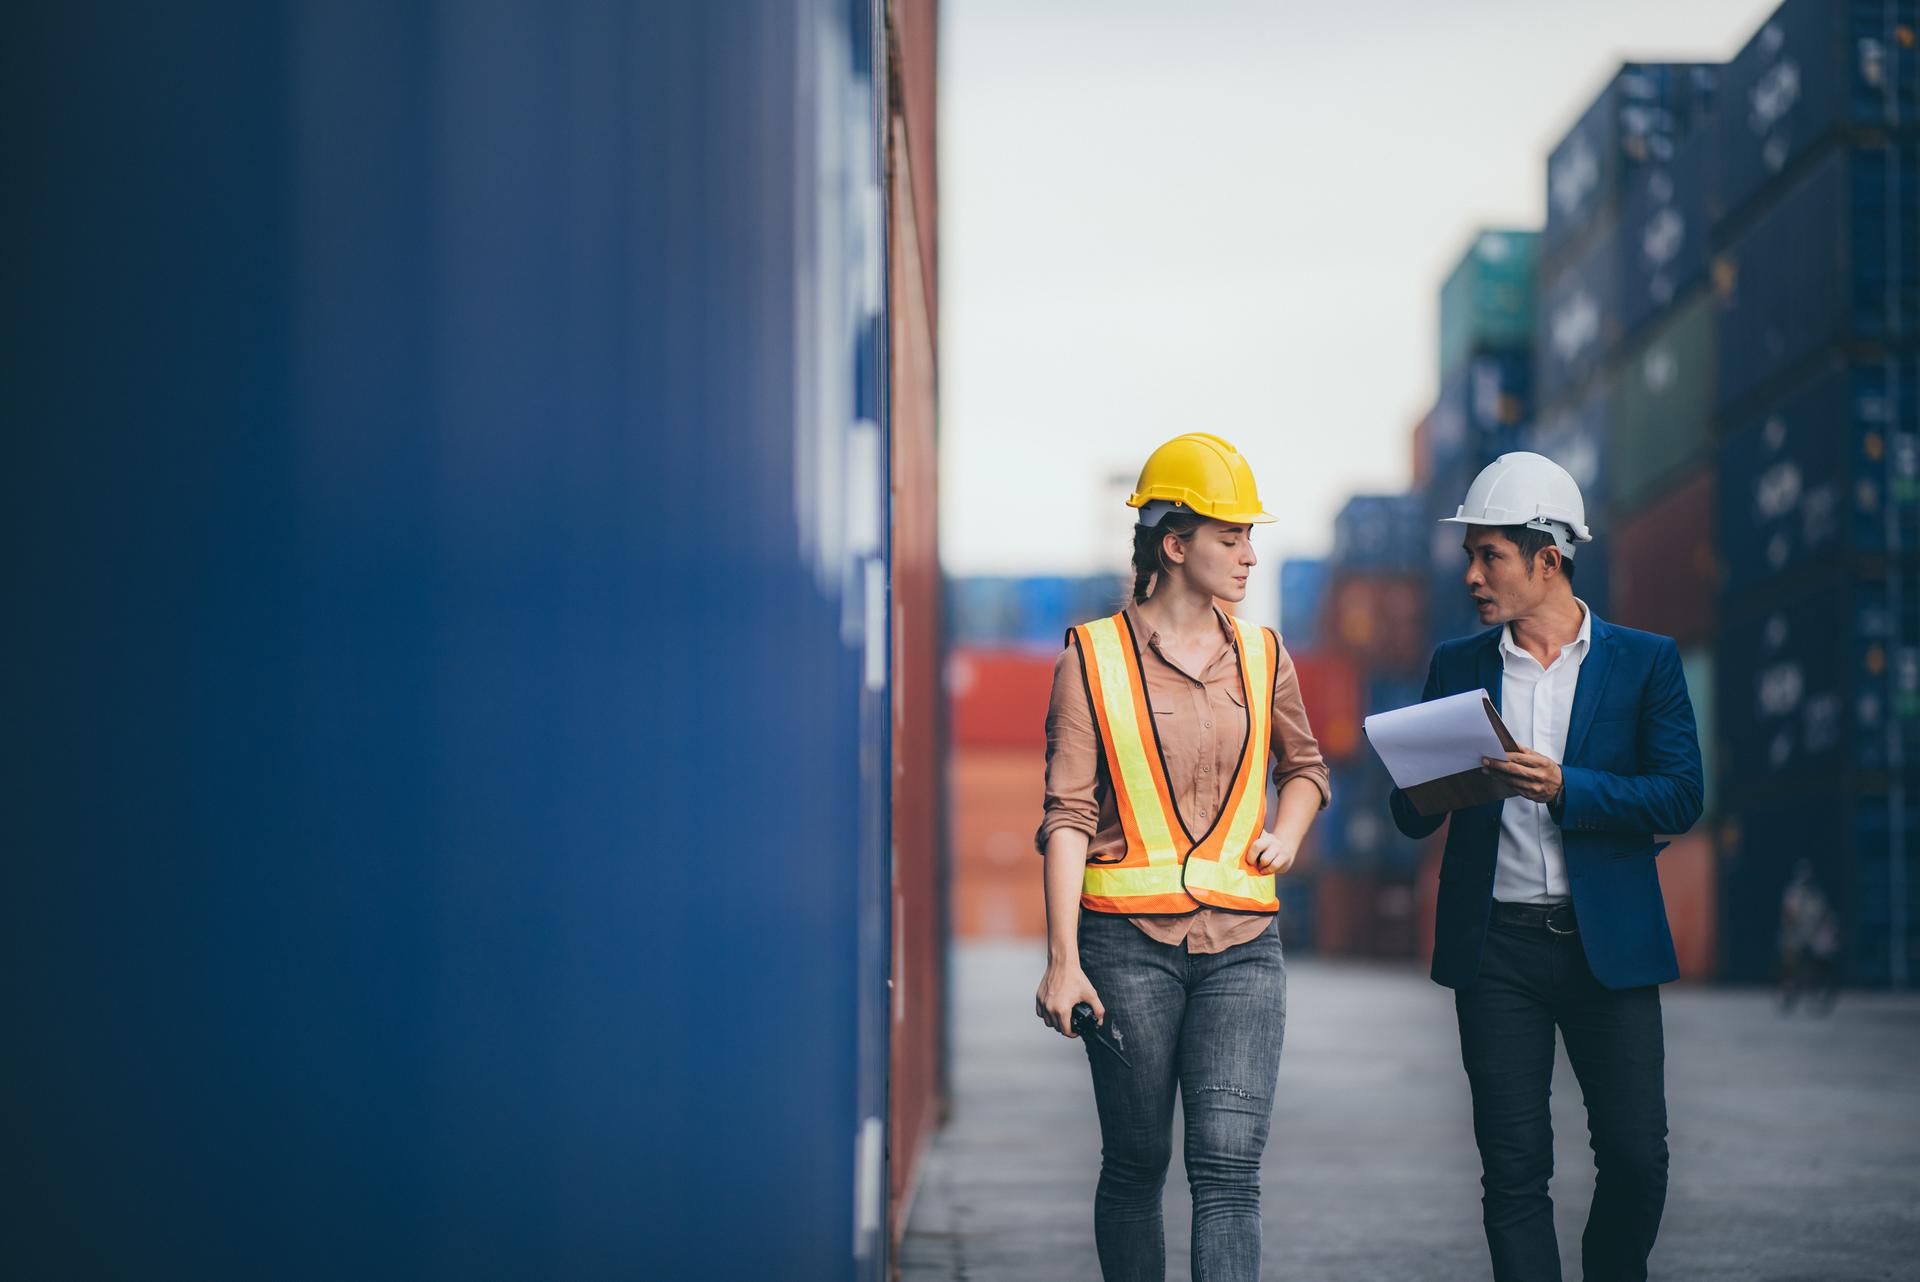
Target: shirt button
<point x="1205" y="769"/>
<point x="1206" y="725"/>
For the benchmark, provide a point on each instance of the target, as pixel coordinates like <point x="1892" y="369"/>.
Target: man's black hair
<point x="1530" y="541"/>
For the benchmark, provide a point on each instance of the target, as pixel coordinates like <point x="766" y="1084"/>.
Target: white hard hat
<point x="1527" y="489"/>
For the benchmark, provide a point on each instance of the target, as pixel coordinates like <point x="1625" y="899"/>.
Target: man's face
<point x="1503" y="586"/>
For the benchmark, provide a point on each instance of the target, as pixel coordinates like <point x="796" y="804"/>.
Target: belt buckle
<point x="1568" y="909"/>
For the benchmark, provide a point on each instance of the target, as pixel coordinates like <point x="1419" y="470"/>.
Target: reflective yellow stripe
<point x="1130" y="751"/>
<point x="1227" y="875"/>
<point x="1156" y="879"/>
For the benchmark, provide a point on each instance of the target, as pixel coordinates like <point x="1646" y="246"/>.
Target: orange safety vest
<point x="1167" y="869"/>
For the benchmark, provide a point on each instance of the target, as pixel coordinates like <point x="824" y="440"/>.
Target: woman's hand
<point x="1063" y="987"/>
<point x="1271" y="854"/>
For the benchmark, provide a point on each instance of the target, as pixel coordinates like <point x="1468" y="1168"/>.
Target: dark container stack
<point x="1370" y="620"/>
<point x="1619" y="320"/>
<point x="1814" y="193"/>
<point x="1476" y="419"/>
<point x="1303" y="586"/>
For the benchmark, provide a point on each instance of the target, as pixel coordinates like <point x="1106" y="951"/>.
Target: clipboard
<point x="1468" y="788"/>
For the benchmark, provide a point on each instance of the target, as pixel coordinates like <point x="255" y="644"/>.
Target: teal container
<point x="1487" y="301"/>
<point x="1662" y="424"/>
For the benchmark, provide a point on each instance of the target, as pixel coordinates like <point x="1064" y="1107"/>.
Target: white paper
<point x="1432" y="740"/>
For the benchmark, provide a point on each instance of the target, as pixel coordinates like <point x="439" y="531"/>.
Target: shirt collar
<point x="1148" y="635"/>
<point x="1581" y="643"/>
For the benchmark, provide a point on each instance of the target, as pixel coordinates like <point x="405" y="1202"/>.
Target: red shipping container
<point x="1379" y="620"/>
<point x="999" y="698"/>
<point x="1664" y="573"/>
<point x="1330" y="689"/>
<point x="1364" y="916"/>
<point x="1689" y="884"/>
<point x="997" y="803"/>
<point x="916" y="972"/>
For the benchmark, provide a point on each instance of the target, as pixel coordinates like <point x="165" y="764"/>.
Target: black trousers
<point x="1530" y="981"/>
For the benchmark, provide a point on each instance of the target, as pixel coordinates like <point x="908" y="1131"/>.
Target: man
<point x="1549" y="910"/>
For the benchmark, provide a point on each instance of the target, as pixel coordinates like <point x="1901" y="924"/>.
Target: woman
<point x="1161" y="858"/>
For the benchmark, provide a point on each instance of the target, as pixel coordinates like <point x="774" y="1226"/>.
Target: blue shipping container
<point x="380" y="662"/>
<point x="1356" y="832"/>
<point x="1836" y="258"/>
<point x="1581" y="319"/>
<point x="1379" y="532"/>
<point x="1303" y="587"/>
<point x="1811" y="687"/>
<point x="1031" y="612"/>
<point x="1818" y="475"/>
<point x="1664" y="233"/>
<point x="1575" y="436"/>
<point x="1849" y="839"/>
<point x="1385" y="693"/>
<point x="1475" y="419"/>
<point x="1815" y="68"/>
<point x="1296" y="897"/>
<point x="1641" y="118"/>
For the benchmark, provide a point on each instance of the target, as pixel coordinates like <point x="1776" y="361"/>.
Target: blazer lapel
<point x="1586" y="691"/>
<point x="1488" y="669"/>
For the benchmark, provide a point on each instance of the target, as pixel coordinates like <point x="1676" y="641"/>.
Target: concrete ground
<point x="1795" y="1141"/>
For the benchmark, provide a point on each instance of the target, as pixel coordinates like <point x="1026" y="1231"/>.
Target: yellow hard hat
<point x="1200" y="472"/>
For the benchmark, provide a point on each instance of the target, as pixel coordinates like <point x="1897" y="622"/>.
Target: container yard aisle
<point x="1796" y="1142"/>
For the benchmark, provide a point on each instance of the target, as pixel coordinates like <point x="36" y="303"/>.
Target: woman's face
<point x="1217" y="560"/>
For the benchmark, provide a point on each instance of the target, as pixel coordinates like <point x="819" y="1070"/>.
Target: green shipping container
<point x="1663" y="406"/>
<point x="1487" y="301"/>
<point x="1697" y="664"/>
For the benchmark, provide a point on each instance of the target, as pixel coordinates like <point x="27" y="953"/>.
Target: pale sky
<point x="1162" y="216"/>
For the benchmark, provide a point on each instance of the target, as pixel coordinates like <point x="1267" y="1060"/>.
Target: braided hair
<point x="1148" y="558"/>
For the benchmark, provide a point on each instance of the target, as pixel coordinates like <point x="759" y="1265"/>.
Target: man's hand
<point x="1536" y="777"/>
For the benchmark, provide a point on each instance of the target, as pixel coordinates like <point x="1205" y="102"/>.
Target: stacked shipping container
<point x="1724" y="319"/>
<point x="1624" y="355"/>
<point x="1814" y="195"/>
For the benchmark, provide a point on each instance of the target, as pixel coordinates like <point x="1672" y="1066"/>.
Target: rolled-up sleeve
<point x="1073" y="755"/>
<point x="1296" y="753"/>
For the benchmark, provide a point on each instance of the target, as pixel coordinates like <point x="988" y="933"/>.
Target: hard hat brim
<point x="1226" y="518"/>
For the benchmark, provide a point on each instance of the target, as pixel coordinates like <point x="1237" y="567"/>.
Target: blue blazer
<point x="1632" y="769"/>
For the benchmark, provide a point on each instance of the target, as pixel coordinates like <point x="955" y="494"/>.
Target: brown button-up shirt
<point x="1202" y="723"/>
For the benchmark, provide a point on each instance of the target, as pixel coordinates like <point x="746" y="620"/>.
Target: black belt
<point x="1557" y="918"/>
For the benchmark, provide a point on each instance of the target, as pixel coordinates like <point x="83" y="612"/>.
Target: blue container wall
<point x="1811" y="686"/>
<point x="1664" y="232"/>
<point x="1580" y="320"/>
<point x="1357" y="833"/>
<point x="1382" y="532"/>
<point x="1575" y="437"/>
<point x="1641" y="118"/>
<point x="1031" y="613"/>
<point x="1810" y="478"/>
<point x="1385" y="693"/>
<point x="411" y="497"/>
<point x="1296" y="895"/>
<point x="1476" y="419"/>
<point x="1848" y="839"/>
<point x="1816" y="67"/>
<point x="1838" y="257"/>
<point x="1303" y="586"/>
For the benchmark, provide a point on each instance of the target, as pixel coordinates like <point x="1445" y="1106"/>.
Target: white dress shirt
<point x="1536" y="703"/>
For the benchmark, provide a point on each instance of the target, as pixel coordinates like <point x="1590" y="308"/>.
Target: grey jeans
<point x="1211" y="1024"/>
